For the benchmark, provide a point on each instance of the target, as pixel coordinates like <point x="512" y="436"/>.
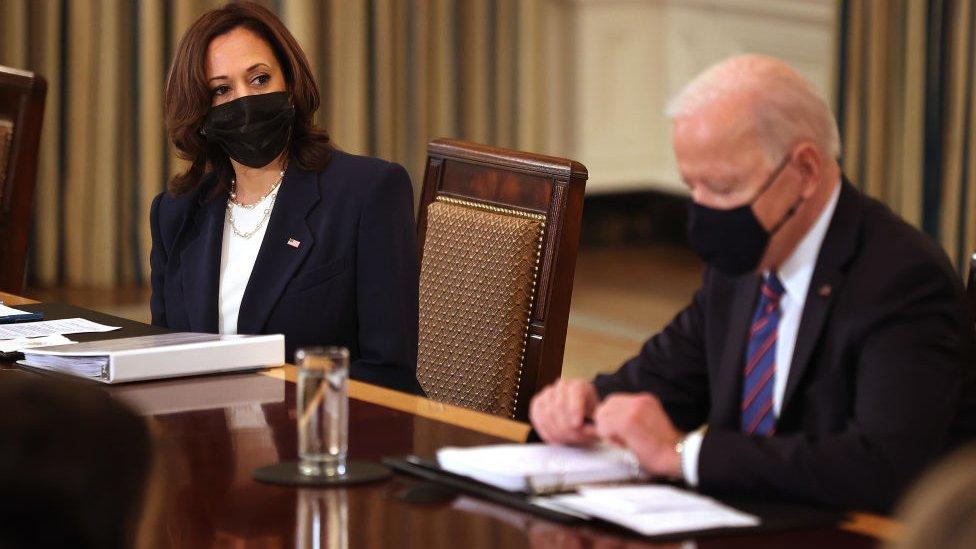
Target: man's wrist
<point x="687" y="449"/>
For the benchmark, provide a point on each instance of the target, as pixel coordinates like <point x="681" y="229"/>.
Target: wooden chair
<point x="21" y="110"/>
<point x="498" y="232"/>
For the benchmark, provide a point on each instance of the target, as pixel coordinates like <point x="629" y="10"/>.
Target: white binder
<point x="159" y="356"/>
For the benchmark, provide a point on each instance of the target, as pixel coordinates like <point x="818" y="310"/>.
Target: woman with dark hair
<point x="271" y="229"/>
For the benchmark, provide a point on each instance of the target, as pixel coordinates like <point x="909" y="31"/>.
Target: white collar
<point x="795" y="273"/>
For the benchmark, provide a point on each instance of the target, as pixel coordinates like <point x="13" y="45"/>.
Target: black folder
<point x="774" y="515"/>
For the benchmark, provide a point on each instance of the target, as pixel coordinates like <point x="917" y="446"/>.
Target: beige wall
<point x="626" y="58"/>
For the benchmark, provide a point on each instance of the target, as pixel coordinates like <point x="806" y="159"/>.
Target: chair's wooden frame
<point x="971" y="284"/>
<point x="21" y="101"/>
<point x="533" y="184"/>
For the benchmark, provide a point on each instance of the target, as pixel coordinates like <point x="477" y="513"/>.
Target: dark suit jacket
<point x="352" y="281"/>
<point x="881" y="381"/>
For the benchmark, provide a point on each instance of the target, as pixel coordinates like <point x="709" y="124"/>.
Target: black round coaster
<point x="287" y="473"/>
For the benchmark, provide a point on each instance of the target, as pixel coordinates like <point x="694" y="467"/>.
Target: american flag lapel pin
<point x="294" y="243"/>
<point x="825" y="290"/>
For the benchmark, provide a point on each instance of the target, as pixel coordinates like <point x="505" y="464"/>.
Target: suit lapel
<point x="200" y="264"/>
<point x="728" y="379"/>
<point x="287" y="242"/>
<point x="837" y="249"/>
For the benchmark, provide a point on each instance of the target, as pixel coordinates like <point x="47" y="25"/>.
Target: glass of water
<point x="323" y="410"/>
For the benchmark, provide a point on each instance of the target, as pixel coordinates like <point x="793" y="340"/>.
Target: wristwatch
<point x="679" y="447"/>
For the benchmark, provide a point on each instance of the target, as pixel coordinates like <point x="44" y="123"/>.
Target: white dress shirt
<point x="237" y="257"/>
<point x="795" y="274"/>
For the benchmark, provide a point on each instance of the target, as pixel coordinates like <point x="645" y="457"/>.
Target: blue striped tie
<point x="757" y="378"/>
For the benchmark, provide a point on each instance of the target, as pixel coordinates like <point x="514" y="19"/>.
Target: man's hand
<point x="559" y="411"/>
<point x="639" y="423"/>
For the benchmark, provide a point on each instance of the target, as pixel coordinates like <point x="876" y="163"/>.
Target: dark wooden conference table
<point x="213" y="431"/>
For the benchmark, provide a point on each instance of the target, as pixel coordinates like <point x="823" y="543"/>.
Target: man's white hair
<point x="785" y="106"/>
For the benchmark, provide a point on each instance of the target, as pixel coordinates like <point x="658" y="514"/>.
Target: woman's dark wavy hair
<point x="188" y="98"/>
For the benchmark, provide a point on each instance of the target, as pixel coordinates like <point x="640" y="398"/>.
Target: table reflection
<point x="544" y="534"/>
<point x="322" y="519"/>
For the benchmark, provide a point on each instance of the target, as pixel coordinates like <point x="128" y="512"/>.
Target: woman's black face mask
<point x="733" y="241"/>
<point x="254" y="129"/>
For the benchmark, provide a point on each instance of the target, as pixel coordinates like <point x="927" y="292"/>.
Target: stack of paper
<point x="82" y="366"/>
<point x="656" y="510"/>
<point x="540" y="468"/>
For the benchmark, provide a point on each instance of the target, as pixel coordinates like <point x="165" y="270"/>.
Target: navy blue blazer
<point x="351" y="281"/>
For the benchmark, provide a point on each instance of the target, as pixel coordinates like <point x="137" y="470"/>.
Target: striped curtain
<point x="906" y="108"/>
<point x="393" y="74"/>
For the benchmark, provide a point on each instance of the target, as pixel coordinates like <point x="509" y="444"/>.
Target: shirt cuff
<point x="689" y="457"/>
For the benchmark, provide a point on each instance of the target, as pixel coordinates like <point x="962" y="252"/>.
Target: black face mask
<point x="733" y="241"/>
<point x="253" y="129"/>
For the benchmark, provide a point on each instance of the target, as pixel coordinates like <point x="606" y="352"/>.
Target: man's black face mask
<point x="733" y="241"/>
<point x="254" y="129"/>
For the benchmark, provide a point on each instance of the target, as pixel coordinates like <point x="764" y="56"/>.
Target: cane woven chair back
<point x="499" y="232"/>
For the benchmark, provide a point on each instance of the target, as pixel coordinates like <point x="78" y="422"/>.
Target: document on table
<point x="21" y="343"/>
<point x="9" y="315"/>
<point x="52" y="327"/>
<point x="10" y="311"/>
<point x="540" y="468"/>
<point x="655" y="510"/>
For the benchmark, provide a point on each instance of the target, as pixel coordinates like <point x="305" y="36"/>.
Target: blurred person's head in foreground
<point x="74" y="464"/>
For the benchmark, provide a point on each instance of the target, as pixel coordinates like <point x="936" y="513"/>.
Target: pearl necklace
<point x="272" y="194"/>
<point x="233" y="191"/>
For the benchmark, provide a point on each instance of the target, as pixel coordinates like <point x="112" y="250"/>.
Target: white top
<point x="237" y="256"/>
<point x="795" y="273"/>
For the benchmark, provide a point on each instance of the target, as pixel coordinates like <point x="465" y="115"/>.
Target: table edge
<point x="13" y="300"/>
<point x="507" y="429"/>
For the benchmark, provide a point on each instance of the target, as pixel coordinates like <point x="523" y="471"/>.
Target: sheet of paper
<point x="10" y="311"/>
<point x="540" y="468"/>
<point x="537" y="458"/>
<point x="656" y="510"/>
<point x="645" y="498"/>
<point x="21" y="343"/>
<point x="52" y="327"/>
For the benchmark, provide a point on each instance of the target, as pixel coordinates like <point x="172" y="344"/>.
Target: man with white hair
<point x="828" y="356"/>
